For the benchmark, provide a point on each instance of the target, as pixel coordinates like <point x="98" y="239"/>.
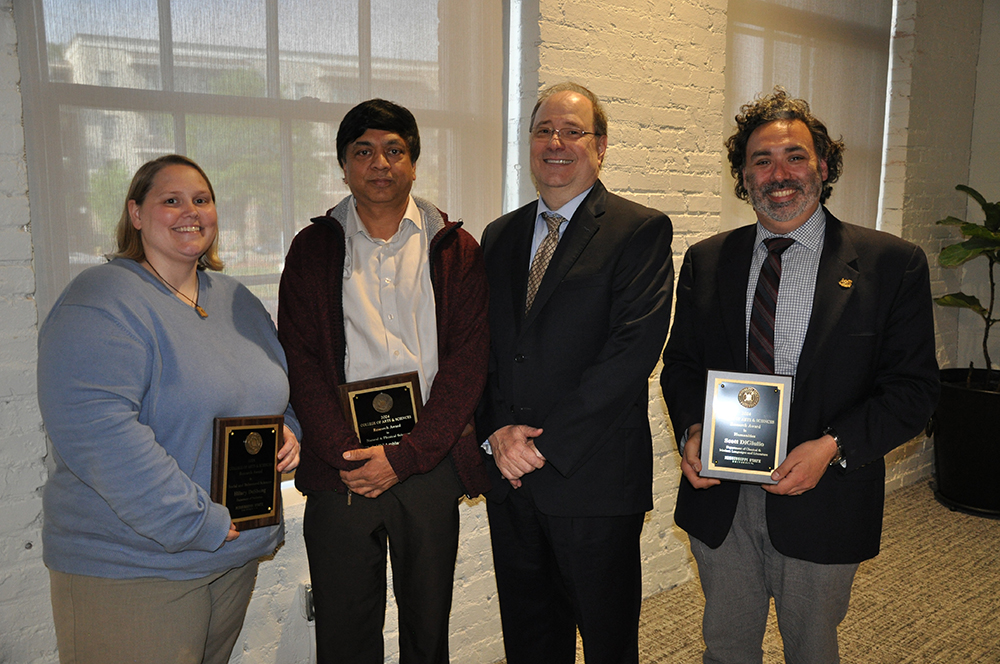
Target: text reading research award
<point x="382" y="410"/>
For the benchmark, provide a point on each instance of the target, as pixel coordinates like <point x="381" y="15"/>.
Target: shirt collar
<point x="353" y="225"/>
<point x="809" y="234"/>
<point x="566" y="211"/>
<point x="353" y="228"/>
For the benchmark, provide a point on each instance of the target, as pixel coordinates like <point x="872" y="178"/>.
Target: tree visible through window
<point x="253" y="90"/>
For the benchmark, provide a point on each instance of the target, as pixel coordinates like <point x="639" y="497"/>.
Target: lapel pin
<point x="845" y="283"/>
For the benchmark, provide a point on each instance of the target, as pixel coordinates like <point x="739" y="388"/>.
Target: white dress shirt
<point x="390" y="323"/>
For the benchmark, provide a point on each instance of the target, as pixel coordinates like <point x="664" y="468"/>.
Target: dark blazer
<point x="578" y="364"/>
<point x="867" y="369"/>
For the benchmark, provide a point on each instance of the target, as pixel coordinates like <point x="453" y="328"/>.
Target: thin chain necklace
<point x="194" y="302"/>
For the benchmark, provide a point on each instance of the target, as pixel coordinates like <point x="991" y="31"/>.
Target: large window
<point x="253" y="90"/>
<point x="836" y="56"/>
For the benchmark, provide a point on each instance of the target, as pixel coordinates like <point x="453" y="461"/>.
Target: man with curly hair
<point x="850" y="320"/>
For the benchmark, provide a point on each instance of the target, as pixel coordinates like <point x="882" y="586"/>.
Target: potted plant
<point x="966" y="425"/>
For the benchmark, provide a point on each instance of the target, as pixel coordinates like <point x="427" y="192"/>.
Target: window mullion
<point x="273" y="65"/>
<point x="287" y="185"/>
<point x="365" y="48"/>
<point x="166" y="46"/>
<point x="167" y="71"/>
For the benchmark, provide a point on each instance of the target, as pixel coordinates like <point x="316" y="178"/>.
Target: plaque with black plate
<point x="245" y="474"/>
<point x="382" y="410"/>
<point x="745" y="434"/>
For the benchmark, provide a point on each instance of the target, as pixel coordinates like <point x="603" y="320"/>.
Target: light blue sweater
<point x="129" y="381"/>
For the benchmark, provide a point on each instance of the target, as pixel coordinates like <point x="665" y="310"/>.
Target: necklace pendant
<point x="201" y="312"/>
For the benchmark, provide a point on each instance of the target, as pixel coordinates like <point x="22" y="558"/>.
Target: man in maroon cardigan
<point x="380" y="285"/>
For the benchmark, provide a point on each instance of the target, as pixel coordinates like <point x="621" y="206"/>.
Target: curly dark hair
<point x="779" y="106"/>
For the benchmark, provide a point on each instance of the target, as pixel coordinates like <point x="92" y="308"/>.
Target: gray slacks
<point x="745" y="572"/>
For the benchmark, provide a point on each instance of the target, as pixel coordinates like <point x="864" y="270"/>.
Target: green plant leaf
<point x="983" y="241"/>
<point x="972" y="192"/>
<point x="975" y="230"/>
<point x="962" y="300"/>
<point x="955" y="254"/>
<point x="992" y="211"/>
<point x="951" y="221"/>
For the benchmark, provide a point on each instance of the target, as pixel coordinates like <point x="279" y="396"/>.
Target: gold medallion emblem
<point x="382" y="403"/>
<point x="253" y="443"/>
<point x="845" y="283"/>
<point x="749" y="397"/>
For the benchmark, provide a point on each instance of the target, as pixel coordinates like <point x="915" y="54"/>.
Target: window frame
<point x="460" y="127"/>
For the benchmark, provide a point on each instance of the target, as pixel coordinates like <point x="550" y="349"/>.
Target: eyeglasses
<point x="566" y="134"/>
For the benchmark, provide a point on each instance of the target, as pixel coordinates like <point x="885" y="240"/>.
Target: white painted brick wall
<point x="658" y="68"/>
<point x="928" y="154"/>
<point x="26" y="633"/>
<point x="913" y="460"/>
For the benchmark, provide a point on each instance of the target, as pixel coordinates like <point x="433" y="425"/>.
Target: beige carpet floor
<point x="931" y="596"/>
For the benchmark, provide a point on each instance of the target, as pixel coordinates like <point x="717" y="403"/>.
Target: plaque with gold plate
<point x="382" y="410"/>
<point x="245" y="474"/>
<point x="745" y="434"/>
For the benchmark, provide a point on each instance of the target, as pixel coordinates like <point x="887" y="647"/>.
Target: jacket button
<point x="512" y="409"/>
<point x="519" y="358"/>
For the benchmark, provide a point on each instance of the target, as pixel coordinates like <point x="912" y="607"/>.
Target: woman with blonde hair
<point x="135" y="360"/>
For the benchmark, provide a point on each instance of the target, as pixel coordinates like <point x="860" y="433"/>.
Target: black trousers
<point x="557" y="574"/>
<point x="417" y="522"/>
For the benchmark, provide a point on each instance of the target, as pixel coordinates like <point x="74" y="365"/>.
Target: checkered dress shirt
<point x="799" y="266"/>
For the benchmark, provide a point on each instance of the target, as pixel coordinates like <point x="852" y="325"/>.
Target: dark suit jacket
<point x="867" y="369"/>
<point x="578" y="364"/>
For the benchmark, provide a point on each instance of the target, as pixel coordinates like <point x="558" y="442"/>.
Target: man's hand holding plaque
<point x="745" y="432"/>
<point x="803" y="467"/>
<point x="691" y="459"/>
<point x="373" y="478"/>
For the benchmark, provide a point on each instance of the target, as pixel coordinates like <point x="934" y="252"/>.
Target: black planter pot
<point x="966" y="431"/>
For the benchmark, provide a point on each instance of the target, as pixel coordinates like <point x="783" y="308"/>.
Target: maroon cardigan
<point x="311" y="329"/>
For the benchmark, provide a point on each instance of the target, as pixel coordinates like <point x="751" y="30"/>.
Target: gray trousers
<point x="741" y="576"/>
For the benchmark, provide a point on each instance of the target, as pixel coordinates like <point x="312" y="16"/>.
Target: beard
<point x="809" y="193"/>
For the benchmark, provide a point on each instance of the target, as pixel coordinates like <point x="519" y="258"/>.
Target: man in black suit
<point x="579" y="308"/>
<point x="853" y="325"/>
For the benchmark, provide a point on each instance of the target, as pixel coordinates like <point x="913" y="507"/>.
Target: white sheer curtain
<point x="254" y="91"/>
<point x="835" y="55"/>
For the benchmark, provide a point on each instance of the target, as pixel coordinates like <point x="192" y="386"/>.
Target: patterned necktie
<point x="760" y="342"/>
<point x="542" y="257"/>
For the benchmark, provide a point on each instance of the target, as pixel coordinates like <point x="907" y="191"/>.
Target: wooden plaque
<point x="382" y="410"/>
<point x="245" y="474"/>
<point x="745" y="434"/>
